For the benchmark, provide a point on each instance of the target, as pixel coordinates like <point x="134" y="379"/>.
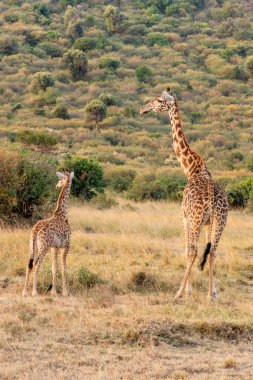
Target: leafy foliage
<point x="110" y="16"/>
<point x="88" y="179"/>
<point x="144" y="74"/>
<point x="41" y="81"/>
<point x="77" y="63"/>
<point x="42" y="140"/>
<point x="26" y="184"/>
<point x="95" y="111"/>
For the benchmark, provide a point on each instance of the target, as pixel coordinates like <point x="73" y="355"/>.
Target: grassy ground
<point x="127" y="326"/>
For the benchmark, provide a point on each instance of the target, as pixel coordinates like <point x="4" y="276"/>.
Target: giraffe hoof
<point x="178" y="296"/>
<point x="34" y="293"/>
<point x="212" y="297"/>
<point x="54" y="293"/>
<point x="65" y="294"/>
<point x="24" y="293"/>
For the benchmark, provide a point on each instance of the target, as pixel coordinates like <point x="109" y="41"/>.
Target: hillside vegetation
<point x="124" y="267"/>
<point x="57" y="56"/>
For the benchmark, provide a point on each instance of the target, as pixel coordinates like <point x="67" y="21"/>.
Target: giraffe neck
<point x="62" y="203"/>
<point x="190" y="161"/>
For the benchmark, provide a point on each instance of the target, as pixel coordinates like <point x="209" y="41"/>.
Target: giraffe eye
<point x="159" y="100"/>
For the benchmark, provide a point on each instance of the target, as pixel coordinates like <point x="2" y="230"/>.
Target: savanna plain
<point x="120" y="320"/>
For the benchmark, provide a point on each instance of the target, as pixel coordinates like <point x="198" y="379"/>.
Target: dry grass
<point x="125" y="319"/>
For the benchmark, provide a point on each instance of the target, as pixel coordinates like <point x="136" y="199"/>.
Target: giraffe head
<point x="160" y="103"/>
<point x="64" y="178"/>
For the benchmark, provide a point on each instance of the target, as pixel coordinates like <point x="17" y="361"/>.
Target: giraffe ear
<point x="60" y="175"/>
<point x="72" y="175"/>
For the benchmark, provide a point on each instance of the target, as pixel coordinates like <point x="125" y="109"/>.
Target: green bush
<point x="157" y="187"/>
<point x="107" y="99"/>
<point x="60" y="111"/>
<point x="120" y="180"/>
<point x="156" y="38"/>
<point x="85" y="44"/>
<point x="109" y="64"/>
<point x="239" y="193"/>
<point x="41" y="140"/>
<point x="88" y="179"/>
<point x="144" y="74"/>
<point x="26" y="184"/>
<point x="103" y="202"/>
<point x="77" y="63"/>
<point x="8" y="45"/>
<point x="83" y="279"/>
<point x="75" y="29"/>
<point x="52" y="49"/>
<point x="41" y="81"/>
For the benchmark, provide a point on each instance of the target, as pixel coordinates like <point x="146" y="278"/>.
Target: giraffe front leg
<point x="64" y="254"/>
<point x="54" y="252"/>
<point x="212" y="292"/>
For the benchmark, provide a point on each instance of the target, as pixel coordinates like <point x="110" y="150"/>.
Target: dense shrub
<point x="240" y="193"/>
<point x="41" y="140"/>
<point x="107" y="99"/>
<point x="83" y="279"/>
<point x="26" y="184"/>
<point x="60" y="111"/>
<point x="144" y="74"/>
<point x="120" y="180"/>
<point x="75" y="29"/>
<point x="52" y="49"/>
<point x="88" y="179"/>
<point x="157" y="187"/>
<point x="85" y="44"/>
<point x="156" y="38"/>
<point x="8" y="45"/>
<point x="41" y="81"/>
<point x="109" y="64"/>
<point x="77" y="63"/>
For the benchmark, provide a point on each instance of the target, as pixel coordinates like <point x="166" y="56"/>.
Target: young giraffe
<point x="51" y="233"/>
<point x="204" y="201"/>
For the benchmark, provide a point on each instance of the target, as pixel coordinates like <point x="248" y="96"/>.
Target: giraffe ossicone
<point x="51" y="233"/>
<point x="204" y="201"/>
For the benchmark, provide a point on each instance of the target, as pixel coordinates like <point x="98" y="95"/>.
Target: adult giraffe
<point x="204" y="201"/>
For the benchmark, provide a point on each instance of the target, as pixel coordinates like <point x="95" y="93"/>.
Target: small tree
<point x="144" y="74"/>
<point x="95" y="111"/>
<point x="88" y="179"/>
<point x="77" y="63"/>
<point x="41" y="81"/>
<point x="111" y="16"/>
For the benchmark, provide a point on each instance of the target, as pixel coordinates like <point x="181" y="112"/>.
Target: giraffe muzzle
<point x="145" y="109"/>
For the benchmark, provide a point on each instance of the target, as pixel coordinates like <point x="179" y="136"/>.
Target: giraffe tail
<point x="32" y="251"/>
<point x="204" y="257"/>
